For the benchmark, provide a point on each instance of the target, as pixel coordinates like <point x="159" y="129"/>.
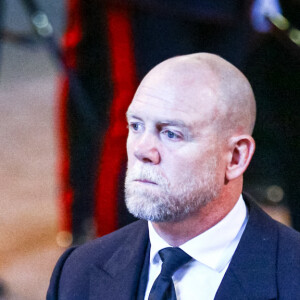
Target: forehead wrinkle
<point x="177" y="108"/>
<point x="155" y="94"/>
<point x="177" y="104"/>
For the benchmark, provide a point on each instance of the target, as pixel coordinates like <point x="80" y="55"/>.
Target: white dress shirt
<point x="211" y="252"/>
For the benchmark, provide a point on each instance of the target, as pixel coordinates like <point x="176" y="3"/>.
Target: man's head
<point x="189" y="142"/>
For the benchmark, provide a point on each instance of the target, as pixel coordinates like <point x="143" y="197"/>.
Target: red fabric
<point x="73" y="34"/>
<point x="70" y="41"/>
<point x="114" y="149"/>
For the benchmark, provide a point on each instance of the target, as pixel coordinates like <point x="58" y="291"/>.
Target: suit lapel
<point x="119" y="277"/>
<point x="252" y="271"/>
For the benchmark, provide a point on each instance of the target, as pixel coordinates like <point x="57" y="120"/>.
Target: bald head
<point x="234" y="108"/>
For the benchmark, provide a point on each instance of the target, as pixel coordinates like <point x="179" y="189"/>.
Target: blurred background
<point x="69" y="69"/>
<point x="28" y="152"/>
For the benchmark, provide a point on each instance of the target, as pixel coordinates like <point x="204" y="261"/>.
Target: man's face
<point x="174" y="156"/>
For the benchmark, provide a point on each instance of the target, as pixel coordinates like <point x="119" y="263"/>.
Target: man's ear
<point x="242" y="149"/>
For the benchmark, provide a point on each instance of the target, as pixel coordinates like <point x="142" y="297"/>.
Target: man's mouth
<point x="145" y="181"/>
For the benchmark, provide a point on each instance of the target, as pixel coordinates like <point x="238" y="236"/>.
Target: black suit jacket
<point x="265" y="265"/>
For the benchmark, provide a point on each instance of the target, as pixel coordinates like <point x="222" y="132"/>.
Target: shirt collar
<point x="215" y="246"/>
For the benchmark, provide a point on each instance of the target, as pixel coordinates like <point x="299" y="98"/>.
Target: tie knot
<point x="173" y="258"/>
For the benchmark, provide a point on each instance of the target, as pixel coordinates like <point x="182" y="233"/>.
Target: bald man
<point x="189" y="143"/>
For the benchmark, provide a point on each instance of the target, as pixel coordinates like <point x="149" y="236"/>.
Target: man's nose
<point x="146" y="150"/>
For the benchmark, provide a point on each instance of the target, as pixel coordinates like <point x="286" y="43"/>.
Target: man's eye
<point x="171" y="135"/>
<point x="135" y="126"/>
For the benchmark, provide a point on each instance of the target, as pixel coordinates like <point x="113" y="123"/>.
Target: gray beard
<point x="163" y="203"/>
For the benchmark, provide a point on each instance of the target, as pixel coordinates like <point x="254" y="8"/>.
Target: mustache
<point x="145" y="173"/>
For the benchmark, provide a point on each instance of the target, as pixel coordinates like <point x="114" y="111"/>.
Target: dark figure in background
<point x="273" y="68"/>
<point x="189" y="144"/>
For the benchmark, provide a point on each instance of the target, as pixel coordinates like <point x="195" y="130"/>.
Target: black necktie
<point x="163" y="287"/>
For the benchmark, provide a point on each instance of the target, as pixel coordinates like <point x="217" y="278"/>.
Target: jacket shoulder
<point x="101" y="249"/>
<point x="71" y="275"/>
<point x="266" y="263"/>
<point x="287" y="256"/>
<point x="288" y="270"/>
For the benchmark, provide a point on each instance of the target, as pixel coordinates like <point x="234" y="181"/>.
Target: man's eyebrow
<point x="173" y="123"/>
<point x="130" y="115"/>
<point x="179" y="123"/>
